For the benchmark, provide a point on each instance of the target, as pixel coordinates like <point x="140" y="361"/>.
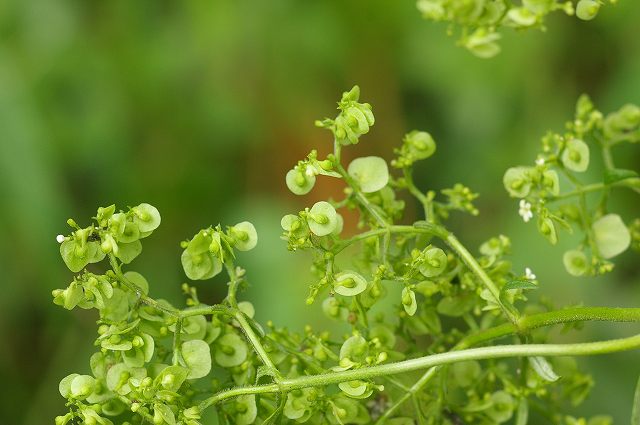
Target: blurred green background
<point x="201" y="107"/>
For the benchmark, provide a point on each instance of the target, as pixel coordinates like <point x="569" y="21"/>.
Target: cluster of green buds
<point x="321" y="220"/>
<point x="357" y="352"/>
<point x="114" y="232"/>
<point x="480" y="21"/>
<point x="85" y="291"/>
<point x="570" y="155"/>
<point x="353" y="121"/>
<point x="416" y="146"/>
<point x="301" y="179"/>
<point x="206" y="252"/>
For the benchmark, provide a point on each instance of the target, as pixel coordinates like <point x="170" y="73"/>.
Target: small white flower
<point x="528" y="274"/>
<point x="60" y="238"/>
<point x="540" y="161"/>
<point x="525" y="211"/>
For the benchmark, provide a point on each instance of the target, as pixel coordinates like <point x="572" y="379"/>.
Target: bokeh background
<point x="201" y="107"/>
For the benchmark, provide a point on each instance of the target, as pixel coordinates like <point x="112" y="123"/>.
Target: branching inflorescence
<point x="479" y="22"/>
<point x="424" y="357"/>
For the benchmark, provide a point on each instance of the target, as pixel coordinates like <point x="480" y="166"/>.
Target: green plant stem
<point x="493" y="352"/>
<point x="138" y="291"/>
<point x="176" y="341"/>
<point x="257" y="345"/>
<point x="427" y="204"/>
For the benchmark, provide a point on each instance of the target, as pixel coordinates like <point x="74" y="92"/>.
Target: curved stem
<point x="493" y="352"/>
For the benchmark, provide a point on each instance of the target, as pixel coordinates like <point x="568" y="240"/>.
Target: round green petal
<point x="349" y="284"/>
<point x="322" y="218"/>
<point x="611" y="234"/>
<point x="370" y="172"/>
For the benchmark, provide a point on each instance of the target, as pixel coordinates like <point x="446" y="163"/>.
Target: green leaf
<point x="138" y="280"/>
<point x="75" y="255"/>
<point x="147" y="217"/>
<point x="611" y="235"/>
<point x="197" y="358"/>
<point x="230" y="350"/>
<point x="349" y="283"/>
<point x="82" y="386"/>
<point x="322" y="218"/>
<point x="543" y="368"/>
<point x="517" y="284"/>
<point x="354" y="348"/>
<point x="370" y="172"/>
<point x="618" y="174"/>
<point x="163" y="414"/>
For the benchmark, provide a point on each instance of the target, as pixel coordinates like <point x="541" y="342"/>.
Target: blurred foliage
<point x="201" y="107"/>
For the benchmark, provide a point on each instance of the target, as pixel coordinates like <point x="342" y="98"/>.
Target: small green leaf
<point x="618" y="174"/>
<point x="248" y="409"/>
<point x="370" y="172"/>
<point x="200" y="266"/>
<point x="611" y="235"/>
<point x="197" y="358"/>
<point x="356" y="389"/>
<point x="65" y="385"/>
<point x="127" y="252"/>
<point x="163" y="414"/>
<point x="543" y="368"/>
<point x="409" y="301"/>
<point x="517" y="284"/>
<point x="172" y="377"/>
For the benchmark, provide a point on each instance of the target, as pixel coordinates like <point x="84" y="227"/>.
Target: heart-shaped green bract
<point x="147" y="217"/>
<point x="299" y="182"/>
<point x="575" y="155"/>
<point x="245" y="236"/>
<point x="356" y="389"/>
<point x="576" y="262"/>
<point x="322" y="218"/>
<point x="551" y="182"/>
<point x="127" y="252"/>
<point x="435" y="262"/>
<point x="547" y="228"/>
<point x="502" y="408"/>
<point x="354" y="348"/>
<point x="370" y="172"/>
<point x="517" y="181"/>
<point x="197" y="358"/>
<point x="349" y="283"/>
<point x="230" y="350"/>
<point x="611" y="235"/>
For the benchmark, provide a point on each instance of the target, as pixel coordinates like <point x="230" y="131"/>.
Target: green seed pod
<point x="575" y="155"/>
<point x="576" y="262"/>
<point x="147" y="217"/>
<point x="245" y="236"/>
<point x="300" y="183"/>
<point x="435" y="262"/>
<point x="322" y="218"/>
<point x="517" y="181"/>
<point x="611" y="235"/>
<point x="409" y="301"/>
<point x="547" y="228"/>
<point x="349" y="283"/>
<point x="370" y="172"/>
<point x="587" y="9"/>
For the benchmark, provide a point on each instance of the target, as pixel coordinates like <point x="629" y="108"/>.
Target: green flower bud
<point x="349" y="283"/>
<point x="322" y="218"/>
<point x="299" y="182"/>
